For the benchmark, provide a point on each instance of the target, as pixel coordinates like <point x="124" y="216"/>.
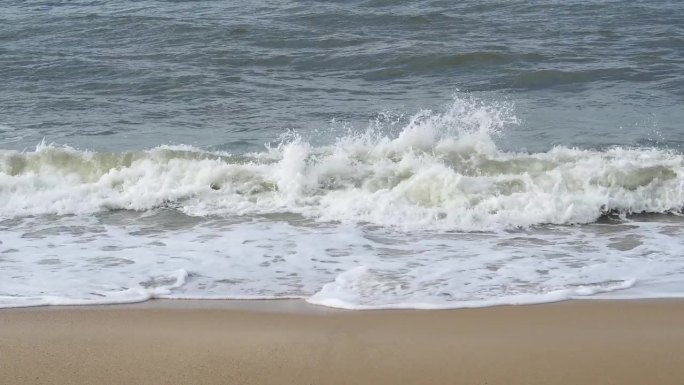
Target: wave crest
<point x="441" y="171"/>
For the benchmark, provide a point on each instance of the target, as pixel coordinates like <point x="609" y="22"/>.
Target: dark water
<point x="232" y="75"/>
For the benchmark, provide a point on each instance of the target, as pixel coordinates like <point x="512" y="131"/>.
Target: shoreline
<point x="292" y="342"/>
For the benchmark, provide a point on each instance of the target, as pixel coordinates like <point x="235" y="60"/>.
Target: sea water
<point x="362" y="155"/>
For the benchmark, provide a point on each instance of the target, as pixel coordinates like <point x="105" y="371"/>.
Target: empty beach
<point x="290" y="342"/>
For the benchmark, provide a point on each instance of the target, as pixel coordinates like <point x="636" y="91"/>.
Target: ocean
<point x="357" y="154"/>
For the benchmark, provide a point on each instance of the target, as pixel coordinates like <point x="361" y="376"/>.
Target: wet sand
<point x="289" y="342"/>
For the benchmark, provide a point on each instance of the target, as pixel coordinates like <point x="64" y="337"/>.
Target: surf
<point x="441" y="170"/>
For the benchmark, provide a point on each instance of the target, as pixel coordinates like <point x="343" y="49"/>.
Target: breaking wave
<point x="442" y="170"/>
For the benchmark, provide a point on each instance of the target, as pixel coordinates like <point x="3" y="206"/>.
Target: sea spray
<point x="443" y="170"/>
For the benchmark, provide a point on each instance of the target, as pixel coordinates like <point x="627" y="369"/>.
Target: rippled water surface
<point x="232" y="75"/>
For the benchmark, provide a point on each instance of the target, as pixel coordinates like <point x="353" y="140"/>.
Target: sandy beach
<point x="290" y="342"/>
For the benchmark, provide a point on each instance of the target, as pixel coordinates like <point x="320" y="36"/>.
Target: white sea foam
<point x="127" y="257"/>
<point x="443" y="171"/>
<point x="361" y="289"/>
<point x="371" y="220"/>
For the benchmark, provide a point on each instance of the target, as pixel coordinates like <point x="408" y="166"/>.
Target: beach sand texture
<point x="183" y="342"/>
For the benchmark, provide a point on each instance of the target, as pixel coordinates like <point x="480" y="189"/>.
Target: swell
<point x="438" y="63"/>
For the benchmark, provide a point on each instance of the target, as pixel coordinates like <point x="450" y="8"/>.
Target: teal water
<point x="233" y="75"/>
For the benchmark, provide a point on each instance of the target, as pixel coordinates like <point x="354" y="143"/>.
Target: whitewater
<point x="429" y="213"/>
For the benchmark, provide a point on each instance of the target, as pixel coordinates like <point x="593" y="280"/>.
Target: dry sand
<point x="288" y="342"/>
